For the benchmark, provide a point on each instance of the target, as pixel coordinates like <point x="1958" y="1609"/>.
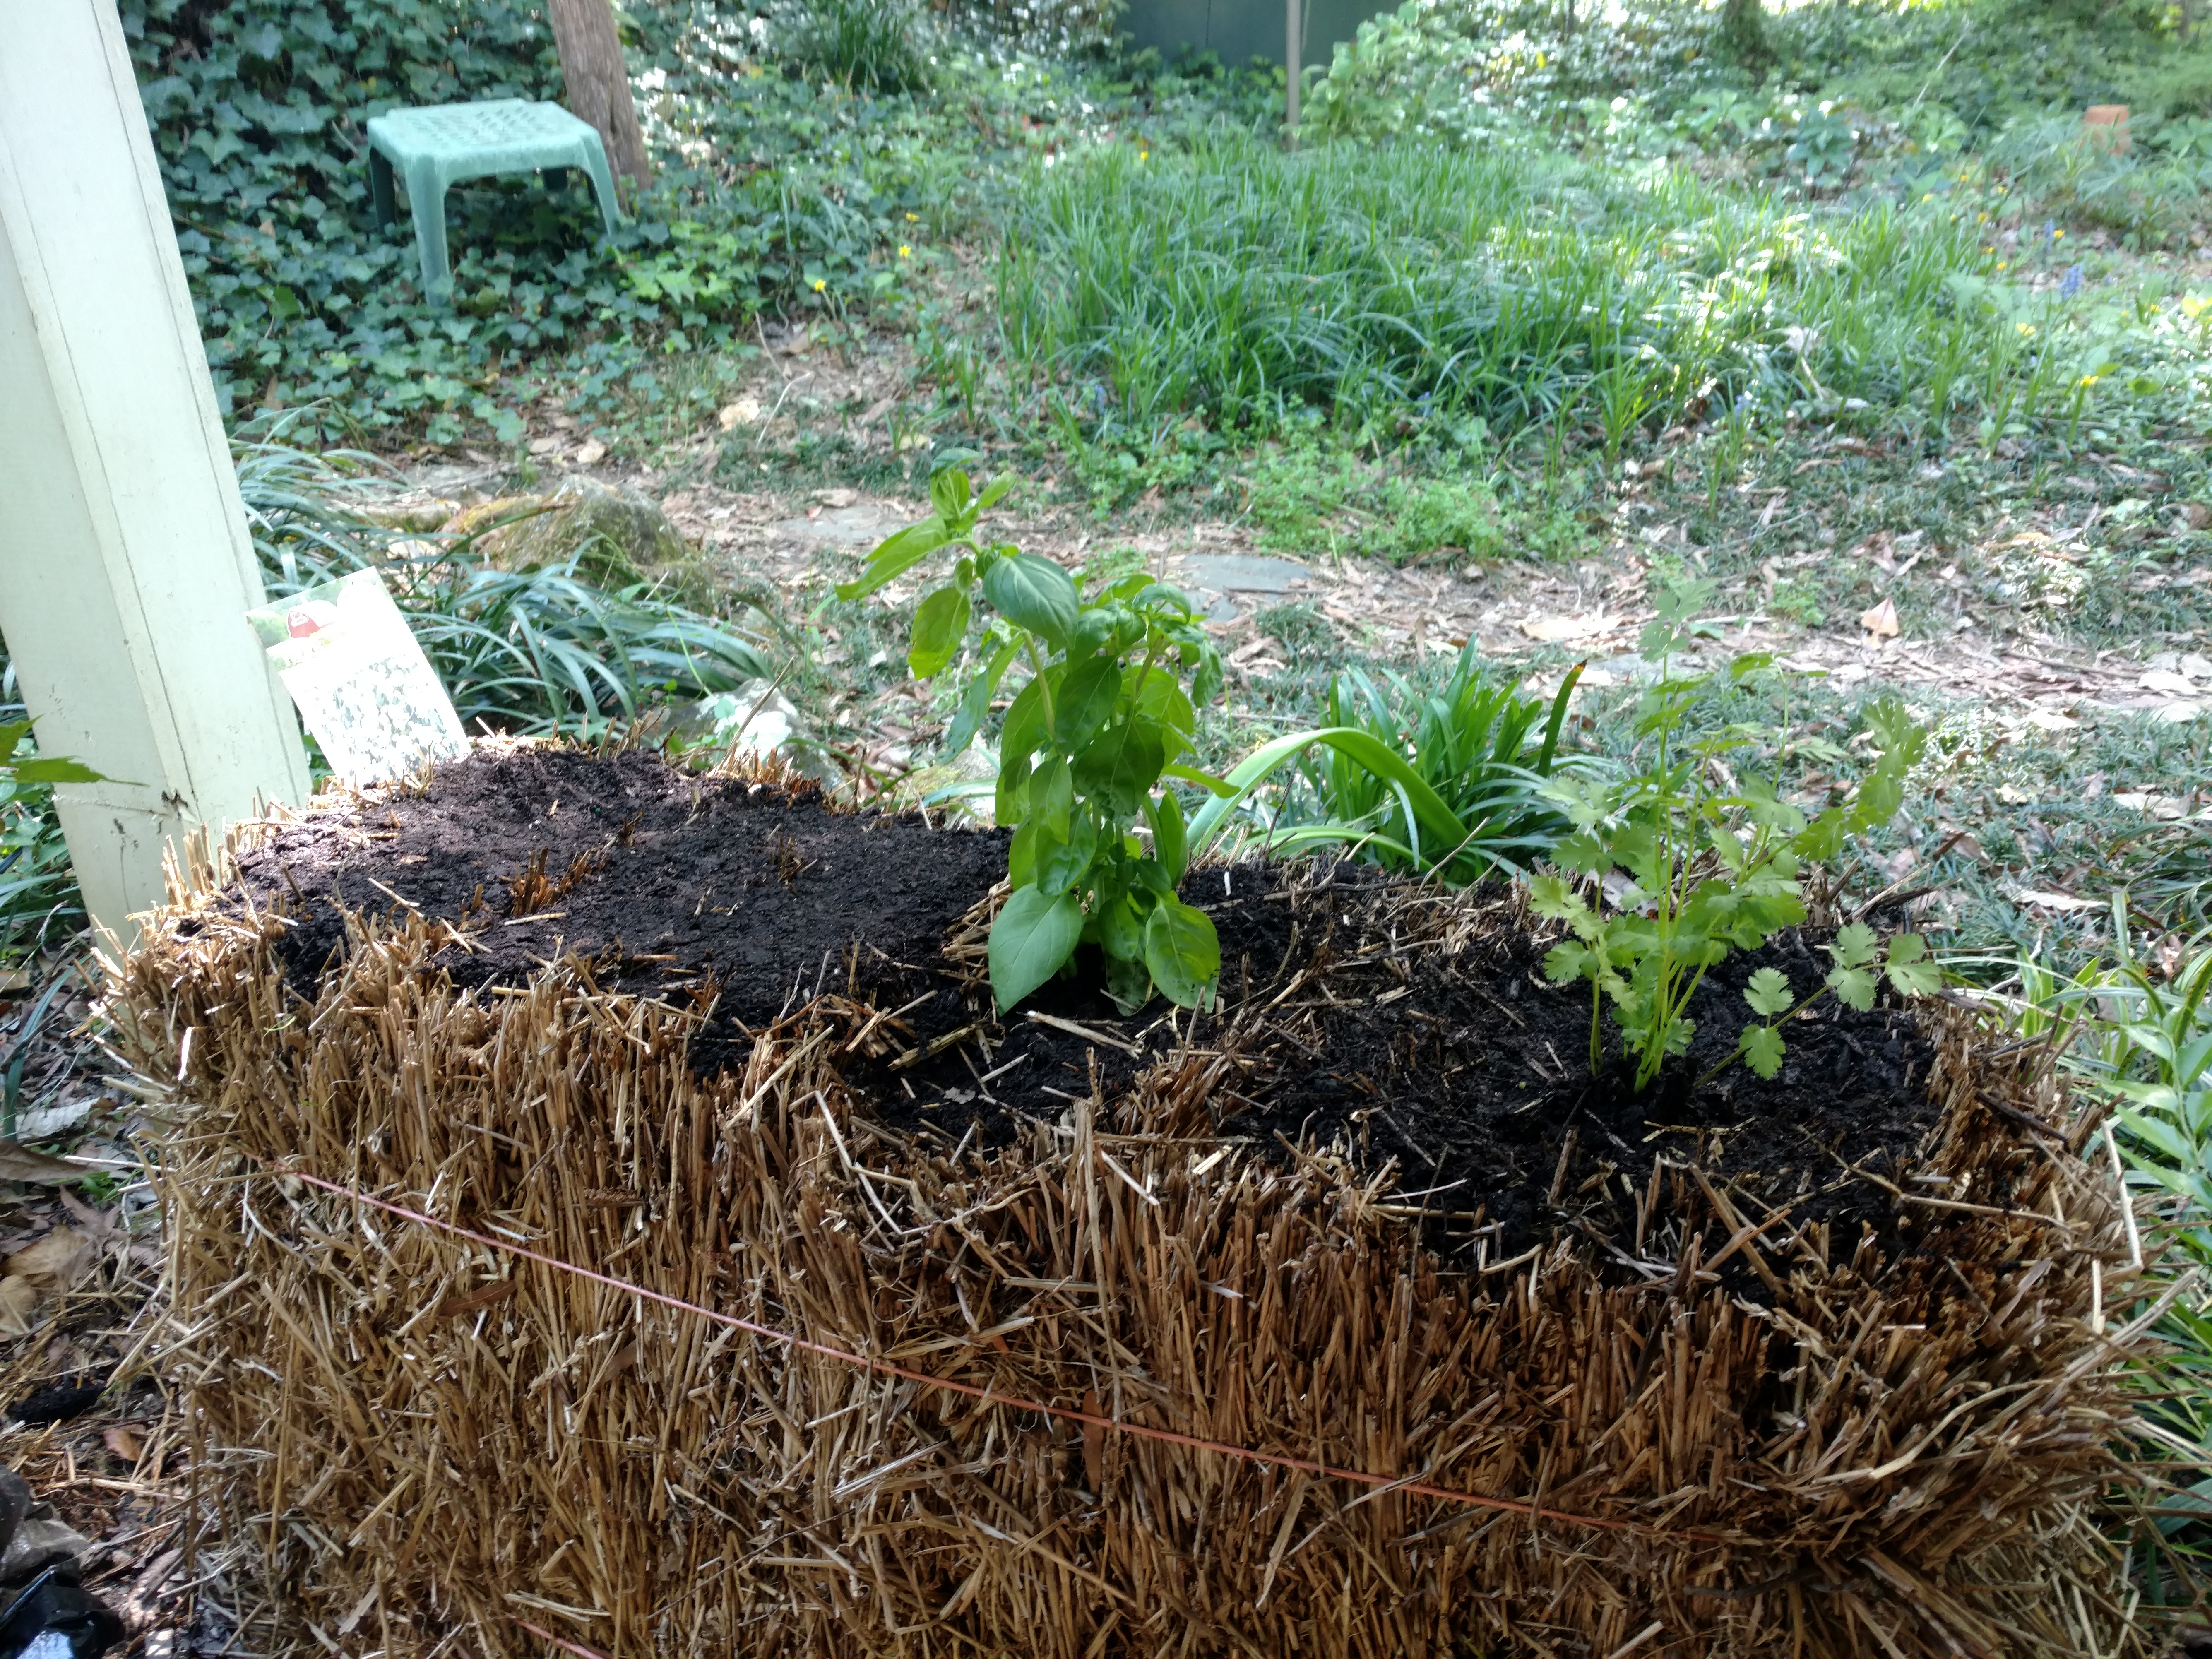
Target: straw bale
<point x="424" y="1439"/>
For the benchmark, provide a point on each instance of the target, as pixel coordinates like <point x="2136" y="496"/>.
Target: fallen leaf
<point x="2196" y="666"/>
<point x="545" y="446"/>
<point x="19" y="1300"/>
<point x="2052" y="720"/>
<point x="1881" y="621"/>
<point x="59" y="1259"/>
<point x="123" y="1442"/>
<point x="1552" y="630"/>
<point x="2166" y="680"/>
<point x="2043" y="899"/>
<point x="21" y="1164"/>
<point x="2166" y="809"/>
<point x="591" y="452"/>
<point x="744" y="412"/>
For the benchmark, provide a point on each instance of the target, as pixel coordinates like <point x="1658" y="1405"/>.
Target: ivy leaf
<point x="1768" y="993"/>
<point x="1854" y="987"/>
<point x="1855" y="946"/>
<point x="940" y="622"/>
<point x="1762" y="1049"/>
<point x="1033" y="592"/>
<point x="1035" y="934"/>
<point x="1183" y="951"/>
<point x="1911" y="970"/>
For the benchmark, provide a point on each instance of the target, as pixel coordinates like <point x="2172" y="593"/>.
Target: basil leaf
<point x="897" y="555"/>
<point x="1183" y="952"/>
<point x="1122" y="765"/>
<point x="1035" y="593"/>
<point x="940" y="622"/>
<point x="1034" y="936"/>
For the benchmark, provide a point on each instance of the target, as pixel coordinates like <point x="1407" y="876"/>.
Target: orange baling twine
<point x="1535" y="1512"/>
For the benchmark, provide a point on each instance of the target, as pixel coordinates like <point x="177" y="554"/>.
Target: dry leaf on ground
<point x="123" y="1442"/>
<point x="19" y="1300"/>
<point x="21" y="1164"/>
<point x="59" y="1259"/>
<point x="1552" y="630"/>
<point x="1881" y="621"/>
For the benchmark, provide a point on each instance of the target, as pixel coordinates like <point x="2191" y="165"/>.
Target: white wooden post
<point x="126" y="568"/>
<point x="1295" y="32"/>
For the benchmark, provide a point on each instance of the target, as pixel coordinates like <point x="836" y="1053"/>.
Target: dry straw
<point x="426" y="1439"/>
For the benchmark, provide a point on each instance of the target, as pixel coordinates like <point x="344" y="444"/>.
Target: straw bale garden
<point x="1437" y="891"/>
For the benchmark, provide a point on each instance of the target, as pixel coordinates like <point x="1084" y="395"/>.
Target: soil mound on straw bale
<point x="1830" y="1367"/>
<point x="1353" y="1023"/>
<point x="671" y="885"/>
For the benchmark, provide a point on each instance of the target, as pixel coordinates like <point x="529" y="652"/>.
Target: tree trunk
<point x="598" y="81"/>
<point x="1743" y="31"/>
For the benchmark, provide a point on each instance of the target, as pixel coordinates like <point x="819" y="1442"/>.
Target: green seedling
<point x="1115" y="682"/>
<point x="1712" y="865"/>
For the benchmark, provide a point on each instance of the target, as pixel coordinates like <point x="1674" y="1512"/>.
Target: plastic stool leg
<point x="426" y="202"/>
<point x="603" y="181"/>
<point x="557" y="179"/>
<point x="380" y="187"/>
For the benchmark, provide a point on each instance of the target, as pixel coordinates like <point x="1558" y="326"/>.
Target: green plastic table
<point x="439" y="145"/>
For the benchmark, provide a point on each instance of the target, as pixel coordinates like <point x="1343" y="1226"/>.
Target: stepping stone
<point x="861" y="525"/>
<point x="1224" y="577"/>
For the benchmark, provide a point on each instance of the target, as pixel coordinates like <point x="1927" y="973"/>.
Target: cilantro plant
<point x="1087" y="741"/>
<point x="1713" y="867"/>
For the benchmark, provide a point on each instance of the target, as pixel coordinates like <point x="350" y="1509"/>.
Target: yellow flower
<point x="2002" y="264"/>
<point x="819" y="284"/>
<point x="914" y="218"/>
<point x="1144" y="156"/>
<point x="1929" y="196"/>
<point x="2058" y="235"/>
<point x="2025" y="328"/>
<point x="905" y="253"/>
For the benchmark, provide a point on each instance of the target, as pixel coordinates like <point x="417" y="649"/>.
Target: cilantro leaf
<point x="1768" y="993"/>
<point x="1762" y="1049"/>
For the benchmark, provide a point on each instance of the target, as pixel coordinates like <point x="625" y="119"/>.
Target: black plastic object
<point x="54" y="1602"/>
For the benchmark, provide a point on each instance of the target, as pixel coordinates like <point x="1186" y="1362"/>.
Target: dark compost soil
<point x="1464" y="1068"/>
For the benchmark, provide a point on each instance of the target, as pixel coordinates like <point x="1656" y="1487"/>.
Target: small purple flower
<point x="2050" y="230"/>
<point x="2070" y="284"/>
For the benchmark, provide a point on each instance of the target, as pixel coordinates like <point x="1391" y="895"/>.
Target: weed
<point x="1483" y="750"/>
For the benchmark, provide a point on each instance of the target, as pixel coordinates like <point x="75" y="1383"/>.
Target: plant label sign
<point x="365" y="690"/>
